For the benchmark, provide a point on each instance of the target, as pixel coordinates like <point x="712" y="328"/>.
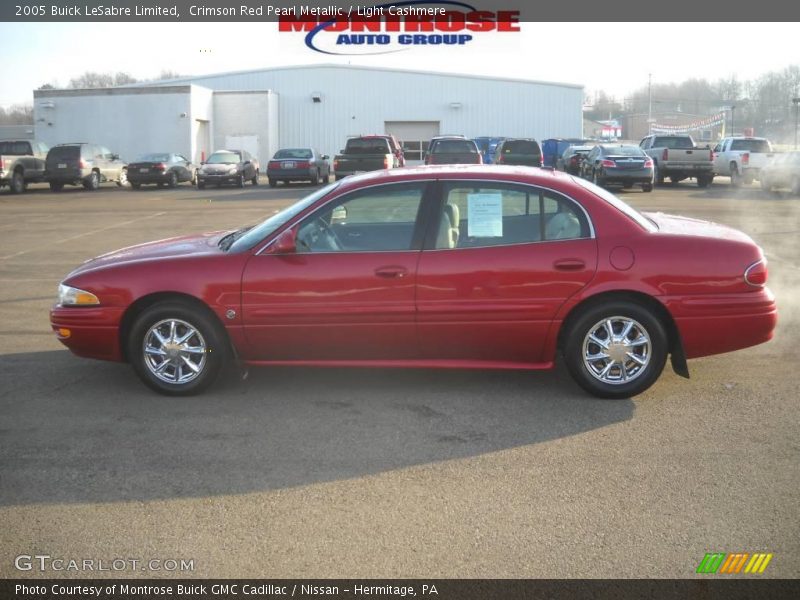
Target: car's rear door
<point x="348" y="292"/>
<point x="489" y="290"/>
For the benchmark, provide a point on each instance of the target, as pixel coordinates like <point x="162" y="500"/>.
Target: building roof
<point x="191" y="78"/>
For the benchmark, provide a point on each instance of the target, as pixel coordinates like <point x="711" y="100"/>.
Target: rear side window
<point x="623" y="151"/>
<point x="16" y="148"/>
<point x="674" y="143"/>
<point x="495" y="214"/>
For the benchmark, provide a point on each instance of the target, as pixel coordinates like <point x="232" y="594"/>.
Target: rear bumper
<point x="291" y="174"/>
<point x="67" y="175"/>
<point x="626" y="176"/>
<point x="93" y="332"/>
<point x="714" y="324"/>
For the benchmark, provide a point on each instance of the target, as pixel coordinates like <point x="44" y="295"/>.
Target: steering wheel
<point x="317" y="235"/>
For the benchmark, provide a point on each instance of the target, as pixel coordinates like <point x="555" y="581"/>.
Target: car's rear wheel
<point x="615" y="350"/>
<point x="136" y="186"/>
<point x="176" y="349"/>
<point x="647" y="187"/>
<point x="704" y="180"/>
<point x="17" y="183"/>
<point x="56" y="187"/>
<point x="201" y="185"/>
<point x="92" y="182"/>
<point x="659" y="177"/>
<point x="254" y="180"/>
<point x="272" y="182"/>
<point x="172" y="180"/>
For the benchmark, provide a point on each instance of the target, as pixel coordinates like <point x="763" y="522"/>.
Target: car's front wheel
<point x="176" y="349"/>
<point x="615" y="350"/>
<point x="17" y="183"/>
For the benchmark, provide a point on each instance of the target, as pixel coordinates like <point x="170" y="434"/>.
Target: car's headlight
<point x="70" y="296"/>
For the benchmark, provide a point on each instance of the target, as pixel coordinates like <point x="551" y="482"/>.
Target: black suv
<point x="82" y="163"/>
<point x="521" y="151"/>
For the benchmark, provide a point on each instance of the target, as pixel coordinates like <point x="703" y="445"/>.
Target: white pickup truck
<point x="741" y="158"/>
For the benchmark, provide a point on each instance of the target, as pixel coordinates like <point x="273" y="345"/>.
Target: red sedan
<point x="449" y="267"/>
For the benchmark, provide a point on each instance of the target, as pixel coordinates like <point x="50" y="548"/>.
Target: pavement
<point x="381" y="473"/>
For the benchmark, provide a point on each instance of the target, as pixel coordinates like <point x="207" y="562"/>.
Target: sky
<point x="615" y="57"/>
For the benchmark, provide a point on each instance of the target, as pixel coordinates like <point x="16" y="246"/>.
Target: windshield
<point x="755" y="146"/>
<point x="622" y="151"/>
<point x="154" y="158"/>
<point x="224" y="158"/>
<point x="674" y="143"/>
<point x="255" y="234"/>
<point x="628" y="211"/>
<point x="293" y="153"/>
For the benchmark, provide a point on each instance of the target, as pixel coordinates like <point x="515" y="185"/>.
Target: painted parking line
<point x="80" y="235"/>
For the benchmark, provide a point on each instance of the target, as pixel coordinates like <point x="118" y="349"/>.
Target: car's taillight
<point x="746" y="158"/>
<point x="756" y="274"/>
<point x="273" y="164"/>
<point x="665" y="154"/>
<point x="302" y="164"/>
<point x="335" y="164"/>
<point x="648" y="162"/>
<point x="160" y="167"/>
<point x="608" y="163"/>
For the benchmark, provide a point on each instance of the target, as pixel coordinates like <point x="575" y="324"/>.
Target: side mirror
<point x="247" y="162"/>
<point x="286" y="243"/>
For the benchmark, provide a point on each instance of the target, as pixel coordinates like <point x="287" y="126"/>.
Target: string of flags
<point x="700" y="124"/>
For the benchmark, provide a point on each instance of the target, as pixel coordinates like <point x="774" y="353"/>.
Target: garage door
<point x="413" y="135"/>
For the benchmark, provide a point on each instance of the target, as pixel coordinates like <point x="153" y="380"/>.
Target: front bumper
<point x="93" y="331"/>
<point x="219" y="178"/>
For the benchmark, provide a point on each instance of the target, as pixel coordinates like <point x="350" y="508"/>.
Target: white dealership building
<point x="318" y="106"/>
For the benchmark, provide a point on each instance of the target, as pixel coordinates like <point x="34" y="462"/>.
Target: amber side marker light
<point x="63" y="333"/>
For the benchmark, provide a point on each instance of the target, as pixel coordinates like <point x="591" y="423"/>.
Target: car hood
<point x="189" y="245"/>
<point x="671" y="224"/>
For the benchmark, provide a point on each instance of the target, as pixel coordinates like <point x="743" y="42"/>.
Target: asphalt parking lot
<point x="379" y="473"/>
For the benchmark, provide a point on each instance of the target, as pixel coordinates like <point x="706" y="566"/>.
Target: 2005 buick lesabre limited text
<point x="448" y="267"/>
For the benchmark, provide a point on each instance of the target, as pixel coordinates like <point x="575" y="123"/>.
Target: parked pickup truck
<point x="366" y="153"/>
<point x="679" y="158"/>
<point x="21" y="163"/>
<point x="741" y="158"/>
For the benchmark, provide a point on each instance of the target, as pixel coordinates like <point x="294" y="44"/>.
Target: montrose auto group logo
<point x="393" y="27"/>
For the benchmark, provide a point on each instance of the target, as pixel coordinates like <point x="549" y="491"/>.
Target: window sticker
<point x="485" y="215"/>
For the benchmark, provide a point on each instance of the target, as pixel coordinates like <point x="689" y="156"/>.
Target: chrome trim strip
<point x="747" y="272"/>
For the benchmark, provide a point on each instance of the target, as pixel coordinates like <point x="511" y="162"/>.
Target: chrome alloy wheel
<point x="616" y="350"/>
<point x="174" y="351"/>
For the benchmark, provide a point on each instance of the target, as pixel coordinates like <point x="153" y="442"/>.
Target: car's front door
<point x="347" y="293"/>
<point x="505" y="258"/>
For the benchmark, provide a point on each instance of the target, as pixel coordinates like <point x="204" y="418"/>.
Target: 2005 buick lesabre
<point x="449" y="267"/>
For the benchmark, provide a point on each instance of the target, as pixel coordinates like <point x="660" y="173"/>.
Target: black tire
<point x="240" y="181"/>
<point x="136" y="186"/>
<point x="647" y="187"/>
<point x="590" y="320"/>
<point x="659" y="177"/>
<point x="254" y="180"/>
<point x="210" y="337"/>
<point x="56" y="187"/>
<point x="736" y="177"/>
<point x="172" y="180"/>
<point x="201" y="185"/>
<point x="795" y="185"/>
<point x="92" y="182"/>
<point x="704" y="181"/>
<point x="598" y="181"/>
<point x="272" y="182"/>
<point x="17" y="184"/>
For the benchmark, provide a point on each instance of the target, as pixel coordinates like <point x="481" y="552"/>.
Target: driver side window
<point x="381" y="219"/>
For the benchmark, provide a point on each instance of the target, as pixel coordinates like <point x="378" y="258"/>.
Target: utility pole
<point x="650" y="104"/>
<point x="733" y="110"/>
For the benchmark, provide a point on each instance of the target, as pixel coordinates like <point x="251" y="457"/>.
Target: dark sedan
<point x="163" y="168"/>
<point x="228" y="166"/>
<point x="571" y="159"/>
<point x="782" y="172"/>
<point x="523" y="151"/>
<point x="621" y="164"/>
<point x="298" y="164"/>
